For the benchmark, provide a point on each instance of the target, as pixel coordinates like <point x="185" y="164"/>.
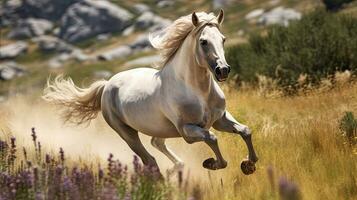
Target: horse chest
<point x="201" y="112"/>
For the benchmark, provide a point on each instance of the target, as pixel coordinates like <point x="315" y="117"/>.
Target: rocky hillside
<point x="92" y="39"/>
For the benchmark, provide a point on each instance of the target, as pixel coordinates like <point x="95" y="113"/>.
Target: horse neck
<point x="183" y="67"/>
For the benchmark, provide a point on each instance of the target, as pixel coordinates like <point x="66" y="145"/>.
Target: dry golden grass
<point x="298" y="137"/>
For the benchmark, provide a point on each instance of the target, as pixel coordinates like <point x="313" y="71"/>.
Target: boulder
<point x="49" y="44"/>
<point x="76" y="54"/>
<point x="47" y="9"/>
<point x="10" y="70"/>
<point x="13" y="50"/>
<point x="141" y="43"/>
<point x="104" y="36"/>
<point x="152" y="21"/>
<point x="30" y="27"/>
<point x="165" y="3"/>
<point x="254" y="14"/>
<point x="88" y="18"/>
<point x="11" y="11"/>
<point x="119" y="52"/>
<point x="279" y="15"/>
<point x="129" y="30"/>
<point x="140" y="8"/>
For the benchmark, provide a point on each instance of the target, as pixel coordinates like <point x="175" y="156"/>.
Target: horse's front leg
<point x="193" y="133"/>
<point x="228" y="124"/>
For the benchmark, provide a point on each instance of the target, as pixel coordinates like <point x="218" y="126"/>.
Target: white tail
<point x="79" y="105"/>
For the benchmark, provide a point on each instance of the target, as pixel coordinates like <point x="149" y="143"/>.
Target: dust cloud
<point x="91" y="143"/>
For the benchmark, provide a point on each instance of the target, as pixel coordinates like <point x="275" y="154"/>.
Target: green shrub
<point x="335" y="4"/>
<point x="318" y="45"/>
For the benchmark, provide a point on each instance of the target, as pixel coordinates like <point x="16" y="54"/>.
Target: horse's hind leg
<point x="131" y="137"/>
<point x="159" y="144"/>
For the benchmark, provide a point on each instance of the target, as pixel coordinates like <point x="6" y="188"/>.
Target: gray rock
<point x="129" y="30"/>
<point x="152" y="21"/>
<point x="13" y="50"/>
<point x="11" y="11"/>
<point x="89" y="18"/>
<point x="141" y="43"/>
<point x="165" y="3"/>
<point x="254" y="14"/>
<point x="80" y="56"/>
<point x="103" y="74"/>
<point x="29" y="28"/>
<point x="59" y="60"/>
<point x="50" y="44"/>
<point x="10" y="70"/>
<point x="279" y="15"/>
<point x="140" y="8"/>
<point x="47" y="9"/>
<point x="120" y="52"/>
<point x="104" y="36"/>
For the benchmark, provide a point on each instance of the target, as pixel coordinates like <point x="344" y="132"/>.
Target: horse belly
<point x="149" y="120"/>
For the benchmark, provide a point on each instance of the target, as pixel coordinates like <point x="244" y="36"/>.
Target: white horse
<point x="182" y="99"/>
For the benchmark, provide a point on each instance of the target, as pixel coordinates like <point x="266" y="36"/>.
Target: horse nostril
<point x="229" y="68"/>
<point x="218" y="71"/>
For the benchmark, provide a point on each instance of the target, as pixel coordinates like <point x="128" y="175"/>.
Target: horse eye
<point x="203" y="42"/>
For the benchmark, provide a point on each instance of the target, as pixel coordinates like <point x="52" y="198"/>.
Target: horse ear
<point x="194" y="19"/>
<point x="220" y="16"/>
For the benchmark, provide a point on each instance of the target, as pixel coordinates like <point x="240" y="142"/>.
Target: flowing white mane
<point x="169" y="40"/>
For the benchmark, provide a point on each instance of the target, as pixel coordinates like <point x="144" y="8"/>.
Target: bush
<point x="318" y="45"/>
<point x="335" y="4"/>
<point x="348" y="126"/>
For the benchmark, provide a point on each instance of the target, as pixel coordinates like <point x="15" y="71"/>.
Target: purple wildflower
<point x="39" y="147"/>
<point x="25" y="153"/>
<point x="34" y="136"/>
<point x="13" y="140"/>
<point x="47" y="159"/>
<point x="288" y="190"/>
<point x="61" y="154"/>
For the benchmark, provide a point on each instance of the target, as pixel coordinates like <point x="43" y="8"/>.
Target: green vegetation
<point x="335" y="4"/>
<point x="317" y="46"/>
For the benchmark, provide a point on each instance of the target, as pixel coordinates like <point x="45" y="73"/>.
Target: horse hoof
<point x="248" y="167"/>
<point x="210" y="163"/>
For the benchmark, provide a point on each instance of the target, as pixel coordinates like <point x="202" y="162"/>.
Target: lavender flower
<point x="48" y="159"/>
<point x="34" y="136"/>
<point x="25" y="153"/>
<point x="288" y="190"/>
<point x="39" y="147"/>
<point x="13" y="140"/>
<point x="61" y="154"/>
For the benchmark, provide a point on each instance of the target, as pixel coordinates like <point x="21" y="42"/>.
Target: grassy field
<point x="303" y="152"/>
<point x="297" y="138"/>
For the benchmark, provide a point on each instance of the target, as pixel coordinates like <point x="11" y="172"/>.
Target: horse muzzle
<point x="221" y="72"/>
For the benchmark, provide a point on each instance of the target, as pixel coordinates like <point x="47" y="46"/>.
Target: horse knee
<point x="157" y="143"/>
<point x="246" y="133"/>
<point x="211" y="138"/>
